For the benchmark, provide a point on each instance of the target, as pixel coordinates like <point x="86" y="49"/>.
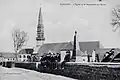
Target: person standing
<point x="66" y="59"/>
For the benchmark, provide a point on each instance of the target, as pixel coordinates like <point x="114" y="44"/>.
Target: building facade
<point x="8" y="57"/>
<point x="25" y="55"/>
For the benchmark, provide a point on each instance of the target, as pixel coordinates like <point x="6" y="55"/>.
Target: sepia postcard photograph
<point x="60" y="39"/>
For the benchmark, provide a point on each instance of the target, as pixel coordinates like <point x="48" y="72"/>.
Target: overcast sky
<point x="60" y="21"/>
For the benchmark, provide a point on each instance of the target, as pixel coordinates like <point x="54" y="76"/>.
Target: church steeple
<point x="40" y="30"/>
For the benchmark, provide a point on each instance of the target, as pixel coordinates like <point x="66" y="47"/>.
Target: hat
<point x="67" y="51"/>
<point x="112" y="49"/>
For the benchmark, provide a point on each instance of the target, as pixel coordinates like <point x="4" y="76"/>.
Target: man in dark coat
<point x="58" y="57"/>
<point x="66" y="59"/>
<point x="67" y="56"/>
<point x="48" y="60"/>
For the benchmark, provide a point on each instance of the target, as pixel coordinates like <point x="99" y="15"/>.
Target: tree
<point x="19" y="39"/>
<point x="116" y="18"/>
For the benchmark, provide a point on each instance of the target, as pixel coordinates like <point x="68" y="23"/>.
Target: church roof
<point x="89" y="46"/>
<point x="67" y="46"/>
<point x="57" y="47"/>
<point x="26" y="51"/>
<point x="54" y="47"/>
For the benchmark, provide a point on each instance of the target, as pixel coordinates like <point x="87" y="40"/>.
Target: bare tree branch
<point x="19" y="39"/>
<point x="116" y="14"/>
<point x="116" y="18"/>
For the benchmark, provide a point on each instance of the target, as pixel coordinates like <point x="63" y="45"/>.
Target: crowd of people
<point x="50" y="60"/>
<point x="107" y="56"/>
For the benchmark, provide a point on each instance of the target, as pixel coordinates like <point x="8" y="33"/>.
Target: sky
<point x="92" y="22"/>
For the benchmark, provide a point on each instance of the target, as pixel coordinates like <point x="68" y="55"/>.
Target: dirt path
<point x="23" y="74"/>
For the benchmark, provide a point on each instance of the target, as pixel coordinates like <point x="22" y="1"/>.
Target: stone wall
<point x="31" y="66"/>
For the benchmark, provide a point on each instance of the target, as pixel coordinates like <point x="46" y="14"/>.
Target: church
<point x="85" y="48"/>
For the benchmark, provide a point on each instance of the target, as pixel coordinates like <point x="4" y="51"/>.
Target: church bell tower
<point x="40" y="31"/>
